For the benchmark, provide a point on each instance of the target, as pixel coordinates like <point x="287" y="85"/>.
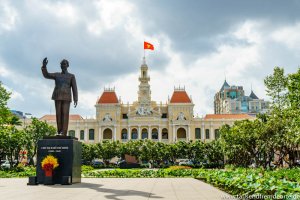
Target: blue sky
<point x="197" y="43"/>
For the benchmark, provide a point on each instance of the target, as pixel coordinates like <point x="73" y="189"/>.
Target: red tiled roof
<point x="108" y="97"/>
<point x="53" y="117"/>
<point x="180" y="97"/>
<point x="228" y="116"/>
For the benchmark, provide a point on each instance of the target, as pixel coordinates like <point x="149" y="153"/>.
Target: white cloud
<point x="110" y="14"/>
<point x="249" y="31"/>
<point x="3" y="71"/>
<point x="63" y="11"/>
<point x="15" y="95"/>
<point x="86" y="104"/>
<point x="288" y="35"/>
<point x="8" y="16"/>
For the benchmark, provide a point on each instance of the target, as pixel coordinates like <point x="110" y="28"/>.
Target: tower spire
<point x="144" y="93"/>
<point x="144" y="60"/>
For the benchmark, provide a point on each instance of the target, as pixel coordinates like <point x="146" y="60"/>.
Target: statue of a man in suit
<point x="64" y="83"/>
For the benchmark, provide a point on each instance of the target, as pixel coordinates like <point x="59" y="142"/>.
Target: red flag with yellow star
<point x="147" y="45"/>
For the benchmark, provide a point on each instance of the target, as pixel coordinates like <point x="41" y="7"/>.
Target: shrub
<point x="179" y="167"/>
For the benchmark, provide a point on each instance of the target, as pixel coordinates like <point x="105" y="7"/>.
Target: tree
<point x="152" y="152"/>
<point x="237" y="143"/>
<point x="183" y="149"/>
<point x="163" y="155"/>
<point x="214" y="152"/>
<point x="13" y="140"/>
<point x="4" y="111"/>
<point x="107" y="150"/>
<point x="89" y="152"/>
<point x="283" y="120"/>
<point x="9" y="144"/>
<point x="293" y="86"/>
<point x="131" y="148"/>
<point x="276" y="88"/>
<point x="273" y="134"/>
<point x="197" y="151"/>
<point x="34" y="132"/>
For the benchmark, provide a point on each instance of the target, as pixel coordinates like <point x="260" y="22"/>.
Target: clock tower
<point x="144" y="93"/>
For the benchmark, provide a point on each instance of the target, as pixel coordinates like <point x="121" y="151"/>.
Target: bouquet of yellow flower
<point x="49" y="163"/>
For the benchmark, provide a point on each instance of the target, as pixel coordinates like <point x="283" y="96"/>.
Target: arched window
<point x="81" y="134"/>
<point x="197" y="133"/>
<point x="144" y="133"/>
<point x="91" y="134"/>
<point x="134" y="134"/>
<point x="164" y="133"/>
<point x="207" y="133"/>
<point x="72" y="133"/>
<point x="107" y="134"/>
<point x="217" y="134"/>
<point x="154" y="134"/>
<point x="181" y="133"/>
<point x="124" y="135"/>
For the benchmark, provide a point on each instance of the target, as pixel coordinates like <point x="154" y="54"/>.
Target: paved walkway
<point x="113" y="188"/>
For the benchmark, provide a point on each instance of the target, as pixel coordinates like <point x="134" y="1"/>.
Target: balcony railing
<point x="181" y="139"/>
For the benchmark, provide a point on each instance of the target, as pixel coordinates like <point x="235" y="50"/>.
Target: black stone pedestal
<point x="67" y="150"/>
<point x="48" y="180"/>
<point x="32" y="180"/>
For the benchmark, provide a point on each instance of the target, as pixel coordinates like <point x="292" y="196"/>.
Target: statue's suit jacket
<point x="63" y="85"/>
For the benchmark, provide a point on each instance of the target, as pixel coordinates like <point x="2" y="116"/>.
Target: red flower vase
<point x="48" y="172"/>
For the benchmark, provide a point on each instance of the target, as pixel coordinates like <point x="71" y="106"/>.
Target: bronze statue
<point x="64" y="82"/>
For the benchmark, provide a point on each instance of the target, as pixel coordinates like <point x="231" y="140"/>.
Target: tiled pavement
<point x="113" y="188"/>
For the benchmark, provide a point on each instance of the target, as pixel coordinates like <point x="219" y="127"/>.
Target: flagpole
<point x="144" y="50"/>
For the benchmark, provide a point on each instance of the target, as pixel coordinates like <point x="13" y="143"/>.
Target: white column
<point x="139" y="133"/>
<point x="115" y="133"/>
<point x="174" y="134"/>
<point x="212" y="134"/>
<point x="86" y="134"/>
<point x="203" y="132"/>
<point x="189" y="133"/>
<point x="100" y="134"/>
<point x="159" y="134"/>
<point x="149" y="133"/>
<point x="129" y="133"/>
<point x="77" y="133"/>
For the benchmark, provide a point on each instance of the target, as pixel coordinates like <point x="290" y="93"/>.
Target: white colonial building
<point x="147" y="119"/>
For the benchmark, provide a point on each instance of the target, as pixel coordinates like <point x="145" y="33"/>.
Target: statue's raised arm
<point x="45" y="62"/>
